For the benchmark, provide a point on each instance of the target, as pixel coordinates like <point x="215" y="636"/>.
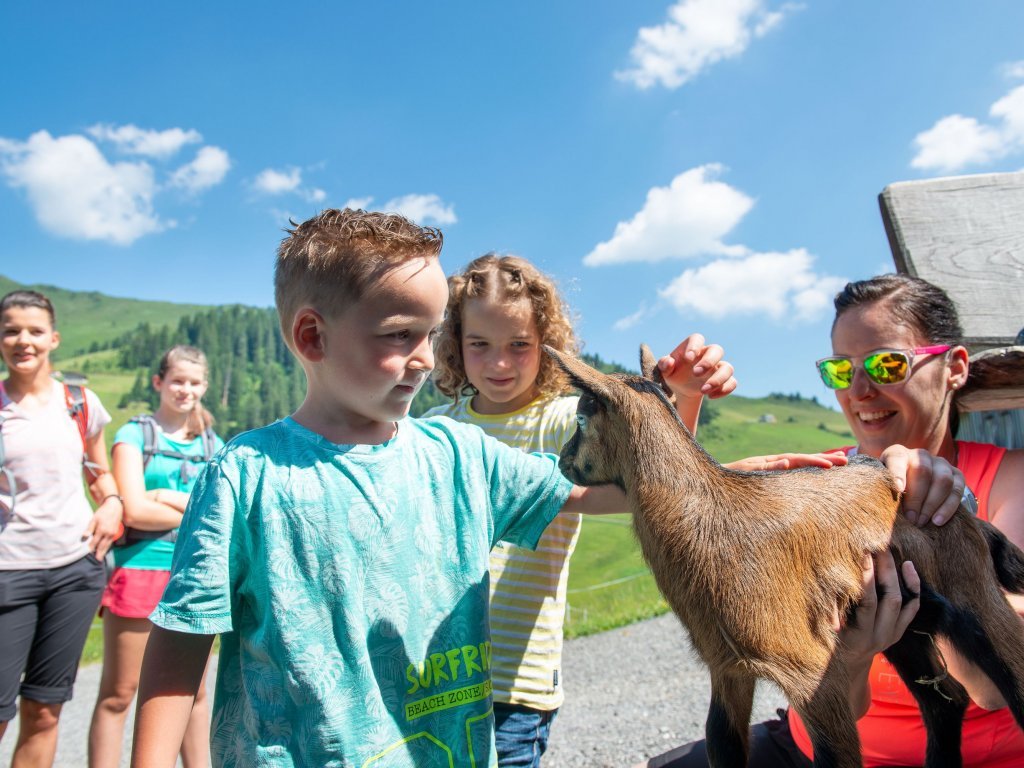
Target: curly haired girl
<point x="501" y="309"/>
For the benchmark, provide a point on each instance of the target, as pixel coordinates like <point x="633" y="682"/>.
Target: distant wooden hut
<point x="966" y="234"/>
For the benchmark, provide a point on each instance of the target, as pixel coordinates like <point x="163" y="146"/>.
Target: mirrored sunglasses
<point x="886" y="366"/>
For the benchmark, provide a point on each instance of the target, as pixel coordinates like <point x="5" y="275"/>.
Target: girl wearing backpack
<point x="156" y="461"/>
<point x="52" y="544"/>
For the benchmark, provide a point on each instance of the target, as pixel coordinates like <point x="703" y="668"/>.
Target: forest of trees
<point x="254" y="378"/>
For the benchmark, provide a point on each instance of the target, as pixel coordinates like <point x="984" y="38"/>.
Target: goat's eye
<point x="581" y="421"/>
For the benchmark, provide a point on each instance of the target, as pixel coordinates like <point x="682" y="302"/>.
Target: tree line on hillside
<point x="254" y="378"/>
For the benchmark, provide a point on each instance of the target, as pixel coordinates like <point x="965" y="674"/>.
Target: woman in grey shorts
<point x="52" y="544"/>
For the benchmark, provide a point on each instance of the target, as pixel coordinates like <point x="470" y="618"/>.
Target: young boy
<point x="342" y="552"/>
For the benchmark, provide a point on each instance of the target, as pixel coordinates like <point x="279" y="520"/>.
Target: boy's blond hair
<point x="506" y="279"/>
<point x="332" y="259"/>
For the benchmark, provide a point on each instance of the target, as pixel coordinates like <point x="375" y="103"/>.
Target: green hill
<point x="93" y="320"/>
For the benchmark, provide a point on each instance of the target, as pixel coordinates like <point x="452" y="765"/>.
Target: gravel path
<point x="631" y="693"/>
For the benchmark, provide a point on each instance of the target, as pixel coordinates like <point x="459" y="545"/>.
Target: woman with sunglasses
<point x="897" y="363"/>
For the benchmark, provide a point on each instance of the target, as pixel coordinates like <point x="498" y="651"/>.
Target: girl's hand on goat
<point x="789" y="461"/>
<point x="932" y="487"/>
<point x="695" y="369"/>
<point x="880" y="620"/>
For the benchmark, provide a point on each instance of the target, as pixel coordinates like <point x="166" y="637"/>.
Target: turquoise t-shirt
<point x="350" y="586"/>
<point x="161" y="472"/>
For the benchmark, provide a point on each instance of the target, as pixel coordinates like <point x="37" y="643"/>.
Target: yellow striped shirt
<point x="528" y="586"/>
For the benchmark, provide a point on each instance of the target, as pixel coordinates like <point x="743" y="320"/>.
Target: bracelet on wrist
<point x="112" y="496"/>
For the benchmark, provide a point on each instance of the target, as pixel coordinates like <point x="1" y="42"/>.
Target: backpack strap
<point x="151" y="443"/>
<point x="78" y="409"/>
<point x="209" y="443"/>
<point x="150" y="446"/>
<point x="12" y="486"/>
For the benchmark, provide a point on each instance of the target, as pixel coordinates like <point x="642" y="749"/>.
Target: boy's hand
<point x="695" y="369"/>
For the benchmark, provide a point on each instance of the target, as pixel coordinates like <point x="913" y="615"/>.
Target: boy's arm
<point x="694" y="370"/>
<point x="172" y="670"/>
<point x="596" y="500"/>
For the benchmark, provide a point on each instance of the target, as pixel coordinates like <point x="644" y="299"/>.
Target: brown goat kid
<point x="755" y="564"/>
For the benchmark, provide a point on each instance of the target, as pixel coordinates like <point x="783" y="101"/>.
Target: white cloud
<point x="271" y="182"/>
<point x="358" y="203"/>
<point x="630" y="321"/>
<point x="76" y="193"/>
<point x="1010" y="110"/>
<point x="208" y="169"/>
<point x="691" y="219"/>
<point x="956" y="141"/>
<point x="685" y="219"/>
<point x="1014" y="70"/>
<point x="422" y="209"/>
<point x="138" y="141"/>
<point x="779" y="285"/>
<point x="698" y="33"/>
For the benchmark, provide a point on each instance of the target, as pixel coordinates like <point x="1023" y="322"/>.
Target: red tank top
<point x="892" y="732"/>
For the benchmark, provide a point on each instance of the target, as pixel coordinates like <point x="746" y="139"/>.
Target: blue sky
<point x="704" y="165"/>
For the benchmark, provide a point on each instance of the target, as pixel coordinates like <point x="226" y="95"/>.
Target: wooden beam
<point x="965" y="234"/>
<point x="996" y="381"/>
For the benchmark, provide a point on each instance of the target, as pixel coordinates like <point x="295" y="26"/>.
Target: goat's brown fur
<point x="755" y="564"/>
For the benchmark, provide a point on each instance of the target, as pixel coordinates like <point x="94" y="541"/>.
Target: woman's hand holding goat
<point x="880" y="620"/>
<point x="932" y="487"/>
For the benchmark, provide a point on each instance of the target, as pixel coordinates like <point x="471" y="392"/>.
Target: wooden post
<point x="966" y="235"/>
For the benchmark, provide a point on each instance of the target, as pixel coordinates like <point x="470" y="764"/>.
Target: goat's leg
<point x="827" y="716"/>
<point x="991" y="636"/>
<point x="942" y="699"/>
<point x="728" y="726"/>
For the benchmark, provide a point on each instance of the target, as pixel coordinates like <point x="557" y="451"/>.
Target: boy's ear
<point x="308" y="334"/>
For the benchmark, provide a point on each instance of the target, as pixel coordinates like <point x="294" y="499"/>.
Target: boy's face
<point x="379" y="351"/>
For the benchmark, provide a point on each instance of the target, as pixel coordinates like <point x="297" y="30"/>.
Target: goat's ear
<point x="600" y="385"/>
<point x="648" y="363"/>
<point x="650" y="370"/>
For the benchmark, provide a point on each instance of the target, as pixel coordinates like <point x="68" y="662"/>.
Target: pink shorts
<point x="133" y="593"/>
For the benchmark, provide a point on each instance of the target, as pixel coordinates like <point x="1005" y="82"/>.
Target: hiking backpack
<point x="150" y="448"/>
